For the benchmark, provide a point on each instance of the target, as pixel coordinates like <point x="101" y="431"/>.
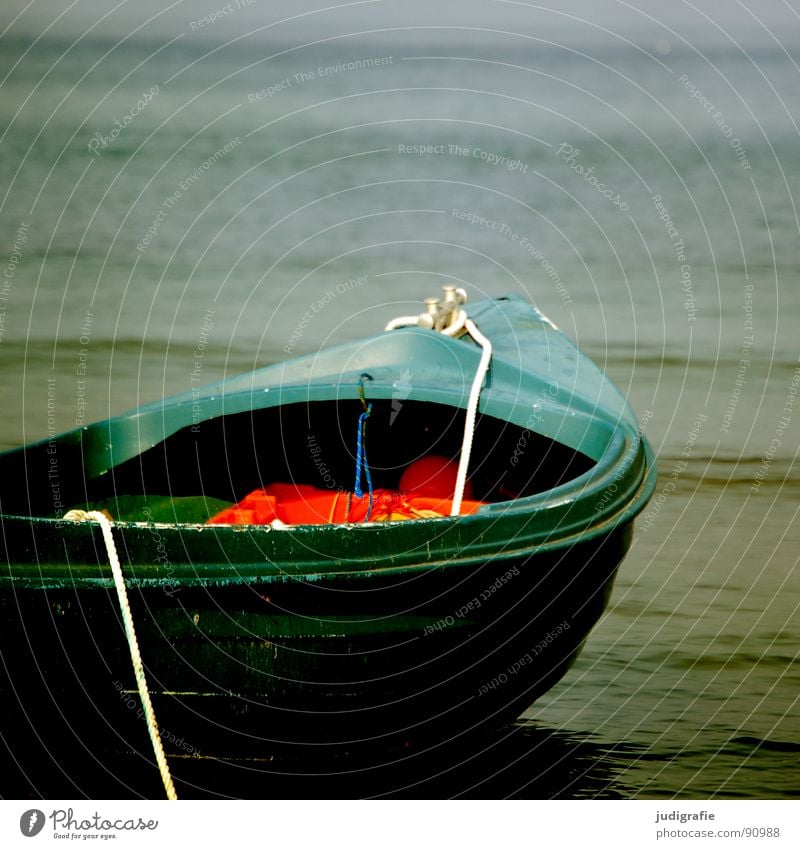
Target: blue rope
<point x="361" y="460"/>
<point x="361" y="448"/>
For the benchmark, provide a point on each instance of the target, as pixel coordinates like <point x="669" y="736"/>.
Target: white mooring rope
<point x="402" y="321"/>
<point x="459" y="323"/>
<point x="472" y="412"/>
<point x="133" y="643"/>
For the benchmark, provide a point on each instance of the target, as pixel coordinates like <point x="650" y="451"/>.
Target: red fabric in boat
<point x="302" y="504"/>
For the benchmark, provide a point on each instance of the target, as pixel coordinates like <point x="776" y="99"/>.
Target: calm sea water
<point x="264" y="199"/>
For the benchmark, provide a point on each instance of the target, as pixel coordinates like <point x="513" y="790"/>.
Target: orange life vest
<point x="302" y="504"/>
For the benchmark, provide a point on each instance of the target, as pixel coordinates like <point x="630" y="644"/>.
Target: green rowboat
<point x="301" y="634"/>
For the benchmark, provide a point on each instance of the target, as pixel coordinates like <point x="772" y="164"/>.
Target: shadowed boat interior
<point x="223" y="459"/>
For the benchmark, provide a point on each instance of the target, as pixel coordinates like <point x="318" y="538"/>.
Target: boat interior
<point x="203" y="468"/>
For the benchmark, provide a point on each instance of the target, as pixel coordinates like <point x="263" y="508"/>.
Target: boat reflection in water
<point x="523" y="760"/>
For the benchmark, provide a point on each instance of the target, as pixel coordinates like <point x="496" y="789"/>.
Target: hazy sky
<point x="749" y="22"/>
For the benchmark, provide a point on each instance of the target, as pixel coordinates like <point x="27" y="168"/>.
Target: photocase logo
<point x="31" y="822"/>
<point x="65" y="824"/>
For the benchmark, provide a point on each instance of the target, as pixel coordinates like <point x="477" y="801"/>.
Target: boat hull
<point x="355" y="634"/>
<point x="344" y="660"/>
